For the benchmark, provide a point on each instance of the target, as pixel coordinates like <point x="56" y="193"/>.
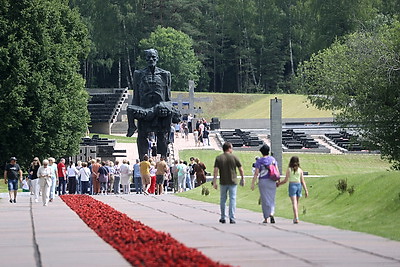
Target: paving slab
<point x="251" y="243"/>
<point x="54" y="235"/>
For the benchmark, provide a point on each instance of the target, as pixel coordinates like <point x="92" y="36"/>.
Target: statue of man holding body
<point x="151" y="105"/>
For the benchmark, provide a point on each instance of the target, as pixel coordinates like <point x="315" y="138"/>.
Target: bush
<point x="351" y="190"/>
<point x="205" y="190"/>
<point x="342" y="185"/>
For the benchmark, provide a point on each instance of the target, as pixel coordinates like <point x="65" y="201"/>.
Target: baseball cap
<point x="13" y="158"/>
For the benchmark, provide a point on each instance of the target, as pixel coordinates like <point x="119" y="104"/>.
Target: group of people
<point x="155" y="175"/>
<point x="201" y="132"/>
<point x="188" y="176"/>
<point x="226" y="165"/>
<point x="47" y="178"/>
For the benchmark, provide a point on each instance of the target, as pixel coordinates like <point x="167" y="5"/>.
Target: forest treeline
<point x="243" y="46"/>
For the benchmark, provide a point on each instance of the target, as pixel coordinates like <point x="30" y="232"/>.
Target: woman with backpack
<point x="267" y="183"/>
<point x="294" y="174"/>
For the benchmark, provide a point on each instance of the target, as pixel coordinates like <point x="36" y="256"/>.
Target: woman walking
<point x="54" y="178"/>
<point x="200" y="169"/>
<point x="72" y="173"/>
<point x="294" y="174"/>
<point x="124" y="169"/>
<point x="33" y="176"/>
<point x="84" y="174"/>
<point x="266" y="185"/>
<point x="117" y="177"/>
<point x="182" y="169"/>
<point x="45" y="173"/>
<point x="104" y="176"/>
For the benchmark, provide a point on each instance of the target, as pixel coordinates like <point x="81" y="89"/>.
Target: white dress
<point x="124" y="170"/>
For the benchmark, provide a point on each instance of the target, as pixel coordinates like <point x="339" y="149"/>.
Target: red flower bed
<point x="139" y="244"/>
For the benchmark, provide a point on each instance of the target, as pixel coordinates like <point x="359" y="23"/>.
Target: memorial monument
<point x="151" y="106"/>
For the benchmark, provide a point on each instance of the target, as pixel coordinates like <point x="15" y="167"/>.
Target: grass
<point x="254" y="106"/>
<point x="315" y="164"/>
<point x="118" y="138"/>
<point x="373" y="208"/>
<point x="3" y="187"/>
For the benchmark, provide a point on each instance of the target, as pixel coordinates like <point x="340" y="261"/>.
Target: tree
<point x="176" y="54"/>
<point x="43" y="101"/>
<point x="360" y="78"/>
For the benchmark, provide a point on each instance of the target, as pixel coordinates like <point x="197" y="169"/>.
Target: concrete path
<point x="251" y="243"/>
<point x="33" y="235"/>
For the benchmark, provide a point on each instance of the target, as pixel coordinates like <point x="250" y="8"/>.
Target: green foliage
<point x="42" y="98"/>
<point x="359" y="77"/>
<point x="205" y="191"/>
<point x="351" y="190"/>
<point x="371" y="209"/>
<point x="243" y="46"/>
<point x="341" y="186"/>
<point x="175" y="50"/>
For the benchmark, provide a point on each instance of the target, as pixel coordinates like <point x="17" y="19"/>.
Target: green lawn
<point x="293" y="106"/>
<point x="3" y="186"/>
<point x="373" y="208"/>
<point x="315" y="164"/>
<point x="118" y="138"/>
<point x="254" y="106"/>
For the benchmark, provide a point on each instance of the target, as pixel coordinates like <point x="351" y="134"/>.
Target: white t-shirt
<point x="72" y="171"/>
<point x="124" y="169"/>
<point x="84" y="173"/>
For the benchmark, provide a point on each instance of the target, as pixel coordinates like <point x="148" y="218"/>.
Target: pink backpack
<point x="274" y="173"/>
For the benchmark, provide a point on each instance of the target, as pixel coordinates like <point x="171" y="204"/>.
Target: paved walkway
<point x="55" y="236"/>
<point x="34" y="235"/>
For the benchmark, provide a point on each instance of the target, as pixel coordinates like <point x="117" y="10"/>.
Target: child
<point x="25" y="186"/>
<point x="296" y="181"/>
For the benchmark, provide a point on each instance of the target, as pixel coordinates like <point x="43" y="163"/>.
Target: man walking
<point x="11" y="174"/>
<point x="95" y="177"/>
<point x="137" y="177"/>
<point x="226" y="165"/>
<point x="145" y="174"/>
<point x="62" y="177"/>
<point x="162" y="168"/>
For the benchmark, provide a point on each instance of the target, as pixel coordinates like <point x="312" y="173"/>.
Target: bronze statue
<point x="151" y="105"/>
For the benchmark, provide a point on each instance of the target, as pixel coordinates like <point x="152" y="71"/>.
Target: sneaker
<point x="15" y="201"/>
<point x="11" y="201"/>
<point x="272" y="219"/>
<point x="296" y="221"/>
<point x="232" y="221"/>
<point x="36" y="200"/>
<point x="222" y="221"/>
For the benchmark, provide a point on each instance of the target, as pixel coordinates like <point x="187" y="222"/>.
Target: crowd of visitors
<point x="157" y="175"/>
<point x="151" y="176"/>
<point x="201" y="131"/>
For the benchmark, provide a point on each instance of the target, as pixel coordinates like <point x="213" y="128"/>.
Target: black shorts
<point x="159" y="179"/>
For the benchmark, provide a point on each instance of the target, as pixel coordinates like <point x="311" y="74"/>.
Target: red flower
<point x="139" y="244"/>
